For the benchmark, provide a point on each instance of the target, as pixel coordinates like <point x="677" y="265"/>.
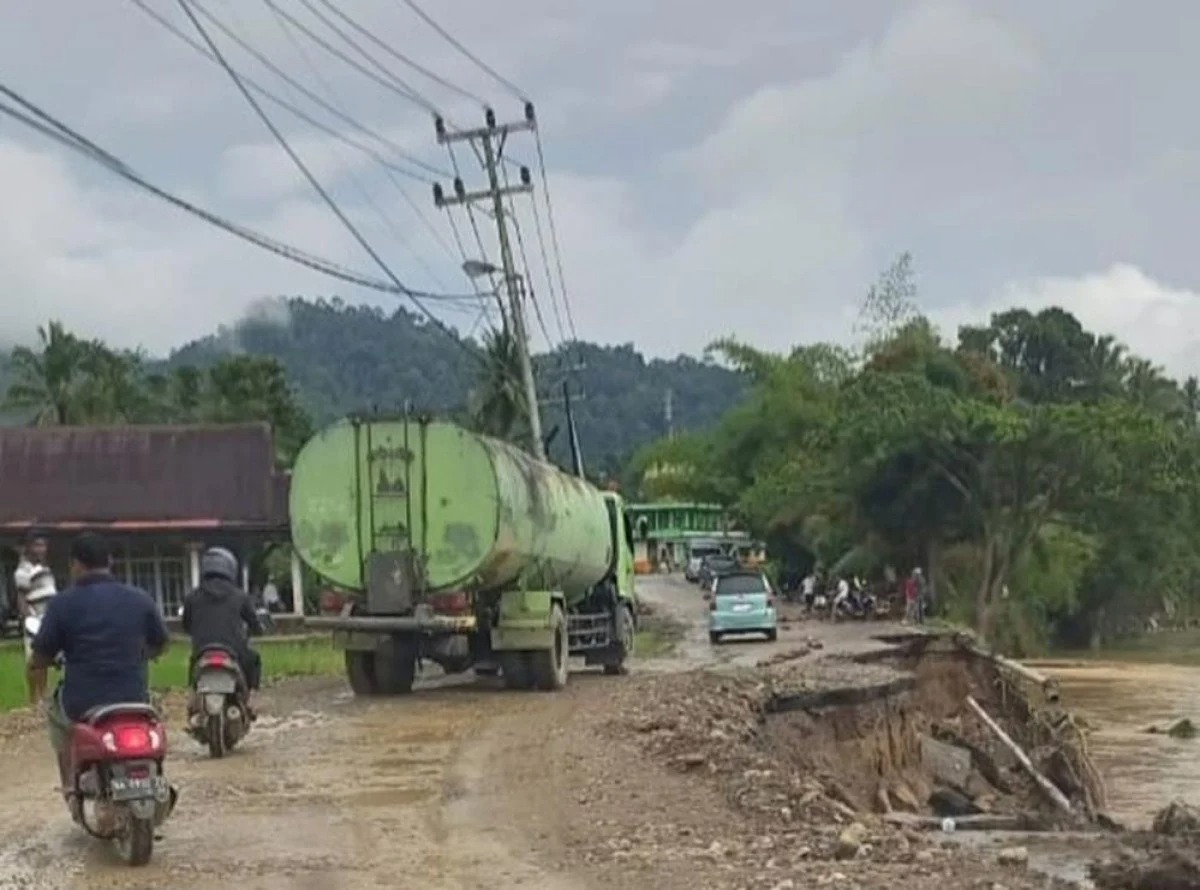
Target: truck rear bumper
<point x="386" y="624"/>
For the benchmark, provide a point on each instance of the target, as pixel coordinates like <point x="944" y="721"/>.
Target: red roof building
<point x="159" y="493"/>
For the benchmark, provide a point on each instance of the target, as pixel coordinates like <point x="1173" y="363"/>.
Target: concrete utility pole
<point x="669" y="412"/>
<point x="489" y="141"/>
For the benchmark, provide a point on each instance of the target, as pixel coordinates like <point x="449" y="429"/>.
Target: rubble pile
<point x="847" y="761"/>
<point x="1168" y="858"/>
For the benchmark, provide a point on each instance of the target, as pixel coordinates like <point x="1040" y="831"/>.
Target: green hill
<point x="343" y="358"/>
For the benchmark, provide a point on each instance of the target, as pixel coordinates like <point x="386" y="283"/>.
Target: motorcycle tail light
<point x="217" y="659"/>
<point x="132" y="738"/>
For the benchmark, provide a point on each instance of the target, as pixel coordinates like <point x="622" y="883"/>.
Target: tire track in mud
<point x="326" y="792"/>
<point x="440" y="789"/>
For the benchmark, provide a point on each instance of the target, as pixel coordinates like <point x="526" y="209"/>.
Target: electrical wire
<point x="537" y="307"/>
<point x="401" y="57"/>
<point x="299" y="87"/>
<point x="282" y="140"/>
<point x="55" y="129"/>
<point x="523" y="96"/>
<point x="363" y="193"/>
<point x="562" y="281"/>
<point x="395" y="85"/>
<point x="425" y="103"/>
<point x="449" y="38"/>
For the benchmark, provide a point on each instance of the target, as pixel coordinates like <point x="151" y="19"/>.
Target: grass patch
<point x="286" y="658"/>
<point x="657" y="636"/>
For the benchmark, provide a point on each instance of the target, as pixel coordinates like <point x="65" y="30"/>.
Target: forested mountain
<point x="340" y="359"/>
<point x="343" y="358"/>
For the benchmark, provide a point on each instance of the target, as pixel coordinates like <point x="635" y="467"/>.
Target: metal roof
<point x="145" y="477"/>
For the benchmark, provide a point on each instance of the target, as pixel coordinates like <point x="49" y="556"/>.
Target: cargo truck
<point x="465" y="551"/>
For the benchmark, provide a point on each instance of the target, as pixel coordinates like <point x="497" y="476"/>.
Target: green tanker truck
<point x="465" y="551"/>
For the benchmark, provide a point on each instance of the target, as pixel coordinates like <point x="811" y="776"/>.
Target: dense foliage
<point x="338" y="359"/>
<point x="344" y="358"/>
<point x="1047" y="479"/>
<point x="70" y="380"/>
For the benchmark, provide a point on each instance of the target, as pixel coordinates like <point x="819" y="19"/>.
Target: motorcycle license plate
<point x="137" y="789"/>
<point x="216" y="682"/>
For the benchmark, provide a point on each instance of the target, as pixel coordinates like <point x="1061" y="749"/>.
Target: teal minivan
<point x="741" y="603"/>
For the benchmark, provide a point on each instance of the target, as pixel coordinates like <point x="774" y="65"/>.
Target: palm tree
<point x="500" y="408"/>
<point x="46" y="381"/>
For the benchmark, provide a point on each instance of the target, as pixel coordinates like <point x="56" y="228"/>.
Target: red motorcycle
<point x="118" y="792"/>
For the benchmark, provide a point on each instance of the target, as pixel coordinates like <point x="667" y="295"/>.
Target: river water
<point x="1120" y="699"/>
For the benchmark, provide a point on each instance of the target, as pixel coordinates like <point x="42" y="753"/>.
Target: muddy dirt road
<point x="462" y="785"/>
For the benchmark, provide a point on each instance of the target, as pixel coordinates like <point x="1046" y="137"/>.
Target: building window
<point x="164" y="577"/>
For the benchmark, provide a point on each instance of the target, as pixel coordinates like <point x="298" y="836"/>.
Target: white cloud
<point x="736" y="172"/>
<point x="1151" y="318"/>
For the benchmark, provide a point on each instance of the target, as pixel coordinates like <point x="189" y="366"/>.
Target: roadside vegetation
<point x="286" y="658"/>
<point x="1046" y="478"/>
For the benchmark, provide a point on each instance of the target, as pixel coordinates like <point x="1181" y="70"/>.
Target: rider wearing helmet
<point x="219" y="613"/>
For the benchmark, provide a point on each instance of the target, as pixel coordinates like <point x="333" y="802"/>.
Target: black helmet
<point x="220" y="562"/>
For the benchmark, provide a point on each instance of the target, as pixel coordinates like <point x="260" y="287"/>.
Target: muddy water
<point x="1119" y="700"/>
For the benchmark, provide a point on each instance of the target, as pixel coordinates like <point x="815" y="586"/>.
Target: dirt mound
<point x="1168" y="858"/>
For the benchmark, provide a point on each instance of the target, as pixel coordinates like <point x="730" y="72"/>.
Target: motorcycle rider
<point x="219" y="613"/>
<point x="106" y="630"/>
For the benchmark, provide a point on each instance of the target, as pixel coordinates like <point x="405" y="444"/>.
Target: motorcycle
<point x="117" y="790"/>
<point x="218" y="715"/>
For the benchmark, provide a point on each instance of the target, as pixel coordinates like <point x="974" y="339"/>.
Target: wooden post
<point x="1051" y="790"/>
<point x="297" y="585"/>
<point x="193" y="551"/>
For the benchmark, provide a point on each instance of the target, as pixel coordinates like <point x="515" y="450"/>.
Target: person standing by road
<point x="912" y="598"/>
<point x="33" y="562"/>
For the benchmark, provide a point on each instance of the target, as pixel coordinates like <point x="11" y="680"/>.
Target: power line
<point x="55" y="129"/>
<point x="562" y="281"/>
<point x="537" y="307"/>
<point x="408" y="91"/>
<point x="394" y="84"/>
<point x="363" y="193"/>
<point x="399" y="56"/>
<point x="299" y="87"/>
<point x="446" y="35"/>
<point x="282" y="140"/>
<point x="523" y="96"/>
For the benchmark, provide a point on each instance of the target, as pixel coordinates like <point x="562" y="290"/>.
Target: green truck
<point x="464" y="551"/>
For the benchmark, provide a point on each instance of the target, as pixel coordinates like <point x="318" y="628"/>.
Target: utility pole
<point x="489" y="141"/>
<point x="669" y="412"/>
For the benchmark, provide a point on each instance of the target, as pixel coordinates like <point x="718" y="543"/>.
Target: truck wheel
<point x="360" y="672"/>
<point x="515" y="667"/>
<point x="622" y="647"/>
<point x="549" y="666"/>
<point x="396" y="666"/>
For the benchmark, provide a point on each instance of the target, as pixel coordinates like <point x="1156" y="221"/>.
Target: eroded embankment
<point x="847" y="751"/>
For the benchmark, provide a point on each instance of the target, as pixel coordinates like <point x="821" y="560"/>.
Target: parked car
<point x="712" y="567"/>
<point x="741" y="602"/>
<point x="696" y="556"/>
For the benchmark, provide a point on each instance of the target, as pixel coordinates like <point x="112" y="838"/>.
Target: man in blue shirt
<point x="106" y="631"/>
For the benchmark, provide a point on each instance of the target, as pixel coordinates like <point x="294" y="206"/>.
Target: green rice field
<point x="306" y="657"/>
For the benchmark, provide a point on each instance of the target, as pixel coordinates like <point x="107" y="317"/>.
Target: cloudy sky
<point x="715" y="168"/>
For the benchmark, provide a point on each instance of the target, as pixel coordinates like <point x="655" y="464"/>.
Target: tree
<point x="74" y="381"/>
<point x="45" y="381"/>
<point x="500" y="407"/>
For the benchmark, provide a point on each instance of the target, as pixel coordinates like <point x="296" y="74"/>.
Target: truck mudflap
<point x="427" y="623"/>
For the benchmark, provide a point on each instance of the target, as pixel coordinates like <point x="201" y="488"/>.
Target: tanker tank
<point x="478" y="514"/>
